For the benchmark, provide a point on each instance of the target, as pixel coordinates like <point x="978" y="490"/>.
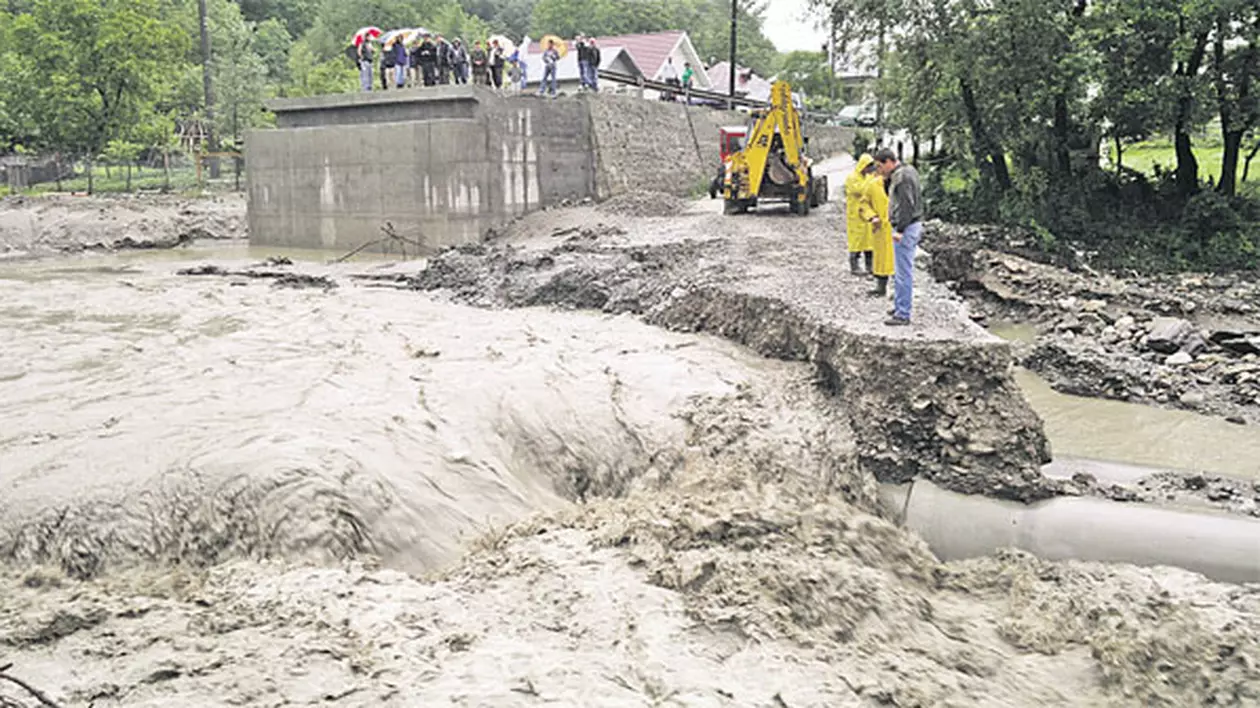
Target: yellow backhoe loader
<point x="773" y="165"/>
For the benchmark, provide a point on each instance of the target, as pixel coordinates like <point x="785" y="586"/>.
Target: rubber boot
<point x="881" y="286"/>
<point x="855" y="260"/>
<point x="869" y="257"/>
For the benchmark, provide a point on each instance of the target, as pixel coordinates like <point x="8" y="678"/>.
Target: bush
<point x="1126" y="221"/>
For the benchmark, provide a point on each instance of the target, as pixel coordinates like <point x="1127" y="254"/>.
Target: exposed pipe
<point x="957" y="526"/>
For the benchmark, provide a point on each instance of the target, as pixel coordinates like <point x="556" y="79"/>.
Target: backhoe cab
<point x="773" y="166"/>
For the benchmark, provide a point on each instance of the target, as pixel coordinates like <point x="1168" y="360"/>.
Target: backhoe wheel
<point x="733" y="206"/>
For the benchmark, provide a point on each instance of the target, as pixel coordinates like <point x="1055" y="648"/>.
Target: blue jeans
<point x="365" y="75"/>
<point x="549" y="75"/>
<point x="400" y="75"/>
<point x="903" y="279"/>
<point x="591" y="77"/>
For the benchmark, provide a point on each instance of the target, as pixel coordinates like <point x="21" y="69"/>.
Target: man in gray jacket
<point x="905" y="211"/>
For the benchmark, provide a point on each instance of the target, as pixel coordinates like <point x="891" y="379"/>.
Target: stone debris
<point x="643" y="204"/>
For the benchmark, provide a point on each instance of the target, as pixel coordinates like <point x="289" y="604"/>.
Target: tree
<point x="1134" y="44"/>
<point x="808" y="72"/>
<point x="295" y="15"/>
<point x="1234" y="68"/>
<point x="97" y="80"/>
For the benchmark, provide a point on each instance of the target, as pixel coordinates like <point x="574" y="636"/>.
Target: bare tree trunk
<point x="212" y="141"/>
<point x="988" y="153"/>
<point x="91" y="183"/>
<point x="1187" y="165"/>
<point x="1250" y="156"/>
<point x="128" y="177"/>
<point x="1119" y="153"/>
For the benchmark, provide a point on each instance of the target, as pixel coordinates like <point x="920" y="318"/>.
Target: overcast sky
<point x="788" y="28"/>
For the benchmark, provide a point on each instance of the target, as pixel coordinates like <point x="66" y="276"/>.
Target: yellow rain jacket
<point x="858" y="207"/>
<point x="881" y="238"/>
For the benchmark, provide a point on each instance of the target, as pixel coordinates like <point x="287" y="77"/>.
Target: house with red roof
<point x="652" y="53"/>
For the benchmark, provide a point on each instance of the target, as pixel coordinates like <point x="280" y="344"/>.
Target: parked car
<point x="864" y="115"/>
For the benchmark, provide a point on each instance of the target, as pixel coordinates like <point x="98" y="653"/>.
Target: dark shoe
<point x="855" y="260"/>
<point x="896" y="322"/>
<point x="881" y="287"/>
<point x="869" y="257"/>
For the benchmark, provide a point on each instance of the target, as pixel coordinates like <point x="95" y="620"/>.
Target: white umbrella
<point x="504" y="43"/>
<point x="393" y="35"/>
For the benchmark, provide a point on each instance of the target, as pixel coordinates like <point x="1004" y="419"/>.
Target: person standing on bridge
<point x="426" y="54"/>
<point x="444" y="56"/>
<point x="859" y="212"/>
<point x="592" y="65"/>
<point x="905" y="212"/>
<point x="459" y="61"/>
<point x="365" y="65"/>
<point x="387" y="66"/>
<point x="579" y="46"/>
<point x="480" y="65"/>
<point x="496" y="65"/>
<point x="401" y="62"/>
<point x="550" y="58"/>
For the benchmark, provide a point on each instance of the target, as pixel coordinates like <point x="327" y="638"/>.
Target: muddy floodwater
<point x="328" y="490"/>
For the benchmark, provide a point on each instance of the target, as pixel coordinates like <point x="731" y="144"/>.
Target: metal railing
<point x="688" y="93"/>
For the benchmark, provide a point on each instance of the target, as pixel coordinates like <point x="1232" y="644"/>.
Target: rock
<point x="1071" y="323"/>
<point x="1193" y="398"/>
<point x="1236" y="420"/>
<point x="1067" y="303"/>
<point x="1179" y="359"/>
<point x="1125" y="324"/>
<point x="1241" y="345"/>
<point x="1168" y="334"/>
<point x="1095" y="306"/>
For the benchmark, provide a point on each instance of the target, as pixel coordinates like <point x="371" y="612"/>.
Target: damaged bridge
<point x="444" y="165"/>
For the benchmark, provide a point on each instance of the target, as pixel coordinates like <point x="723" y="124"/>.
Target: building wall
<point x="332" y="179"/>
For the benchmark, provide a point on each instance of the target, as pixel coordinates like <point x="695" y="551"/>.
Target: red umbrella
<point x="365" y="34"/>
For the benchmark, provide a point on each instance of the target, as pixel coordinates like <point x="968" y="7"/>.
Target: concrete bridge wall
<point x="444" y="165"/>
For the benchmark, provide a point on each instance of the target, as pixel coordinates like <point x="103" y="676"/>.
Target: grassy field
<point x="1144" y="156"/>
<point x="182" y="179"/>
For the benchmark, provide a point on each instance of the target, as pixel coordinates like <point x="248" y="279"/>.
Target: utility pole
<point x="831" y="61"/>
<point x="734" y="19"/>
<point x="208" y="83"/>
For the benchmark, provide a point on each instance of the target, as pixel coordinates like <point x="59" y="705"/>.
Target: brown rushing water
<point x="196" y="418"/>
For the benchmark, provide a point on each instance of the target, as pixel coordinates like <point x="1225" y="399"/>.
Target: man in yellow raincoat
<point x="859" y="212"/>
<point x="880" y="227"/>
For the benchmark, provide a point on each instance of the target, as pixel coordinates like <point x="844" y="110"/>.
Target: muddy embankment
<point x="50" y="225"/>
<point x="1179" y="341"/>
<point x="607" y="459"/>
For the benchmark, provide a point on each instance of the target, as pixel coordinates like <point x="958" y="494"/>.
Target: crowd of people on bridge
<point x="431" y="60"/>
<point x="408" y="59"/>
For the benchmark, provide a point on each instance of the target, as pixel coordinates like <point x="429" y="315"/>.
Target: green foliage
<point x="1018" y="98"/>
<point x="97" y="79"/>
<point x="808" y="72"/>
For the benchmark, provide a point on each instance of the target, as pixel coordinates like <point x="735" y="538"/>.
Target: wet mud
<point x="936" y="401"/>
<point x="1190" y="342"/>
<point x="31" y="227"/>
<point x="631" y="464"/>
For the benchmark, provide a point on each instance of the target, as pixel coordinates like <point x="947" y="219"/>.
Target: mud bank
<point x="688" y="597"/>
<point x="39" y="226"/>
<point x="1190" y="342"/>
<point x="935" y="401"/>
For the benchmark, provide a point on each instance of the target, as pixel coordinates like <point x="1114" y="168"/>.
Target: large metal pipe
<point x="957" y="526"/>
